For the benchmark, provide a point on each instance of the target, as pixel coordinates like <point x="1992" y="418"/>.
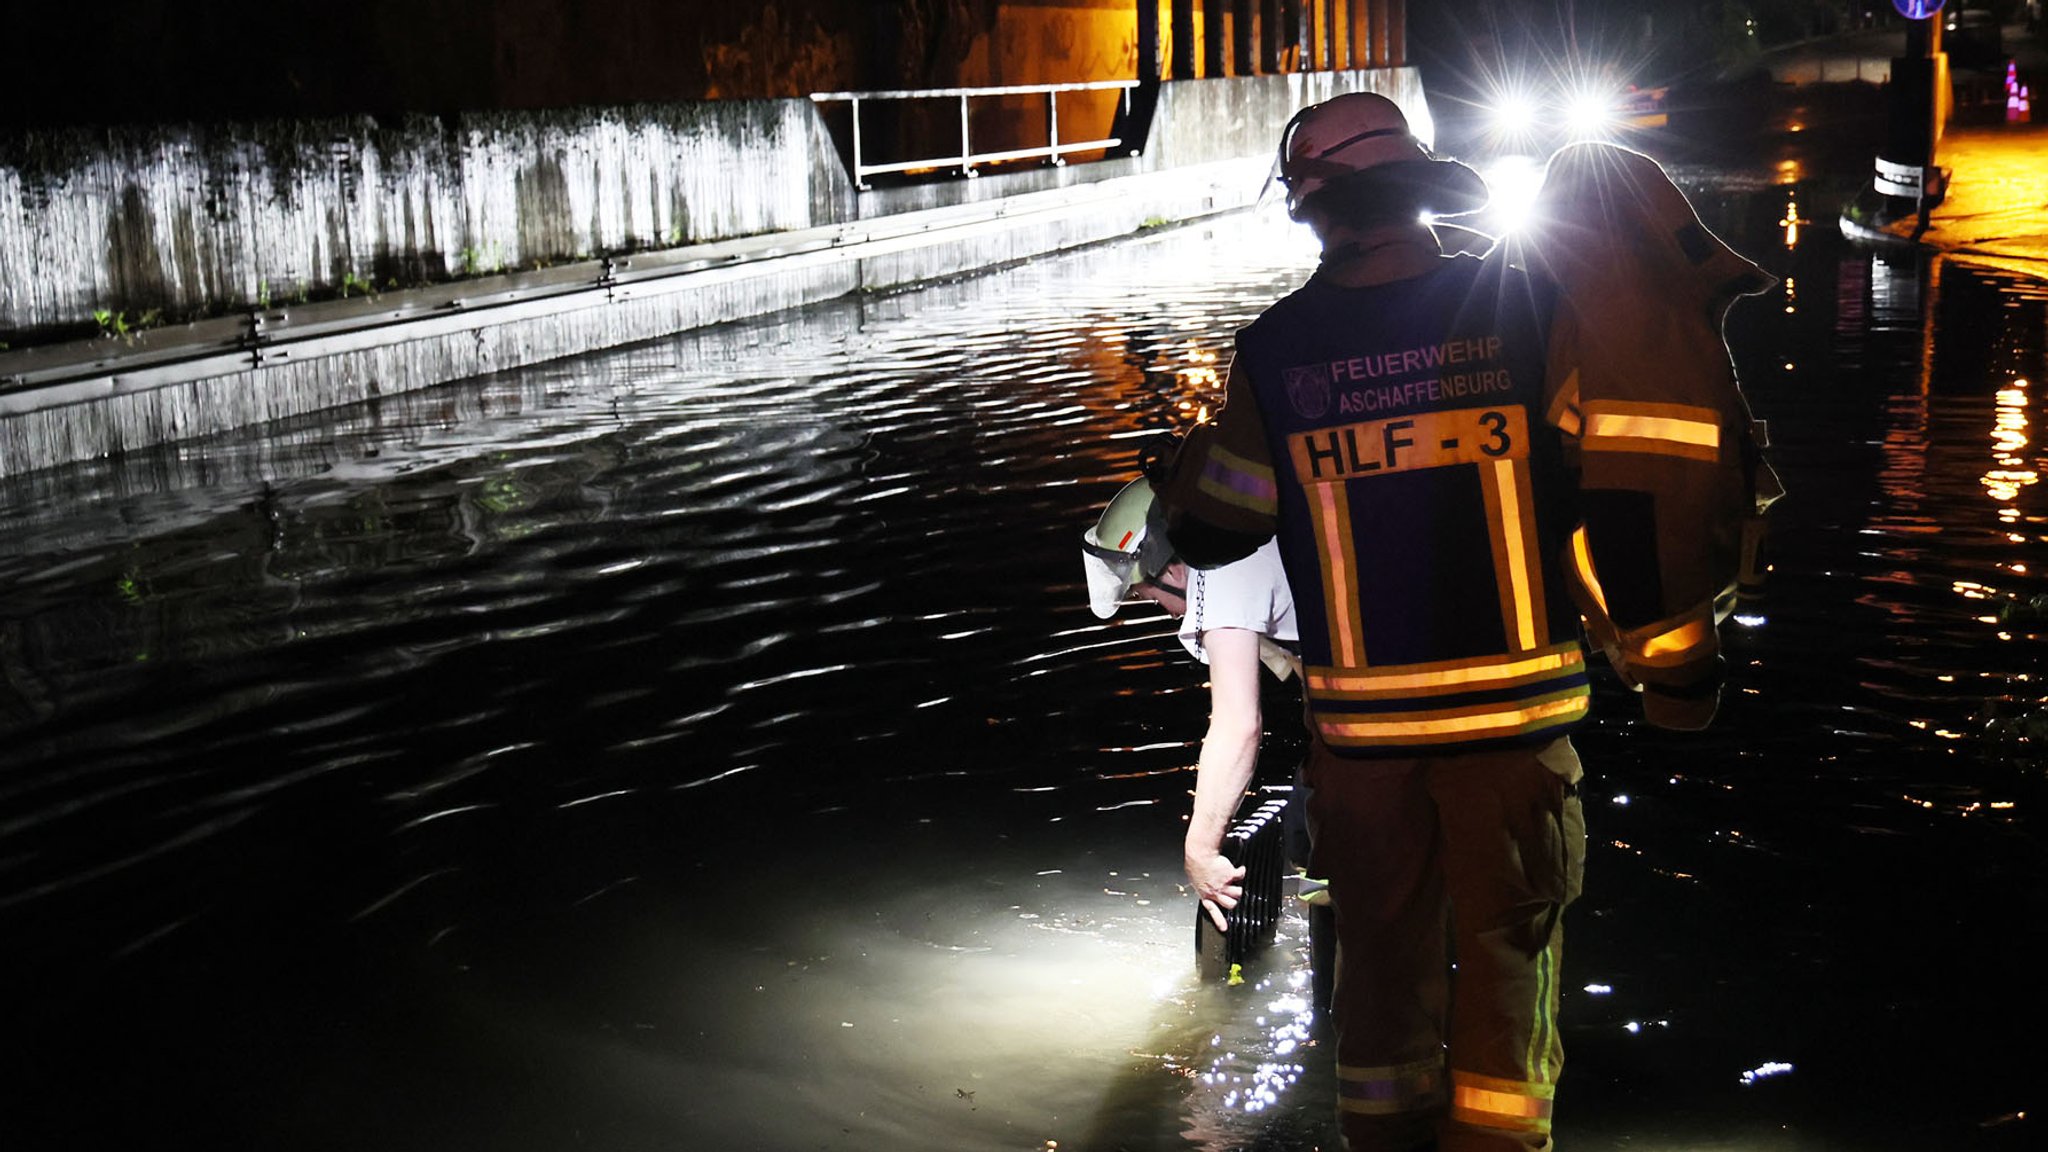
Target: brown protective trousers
<point x="1449" y="875"/>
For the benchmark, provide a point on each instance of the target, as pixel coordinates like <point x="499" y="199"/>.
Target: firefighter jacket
<point x="1394" y="436"/>
<point x="1674" y="484"/>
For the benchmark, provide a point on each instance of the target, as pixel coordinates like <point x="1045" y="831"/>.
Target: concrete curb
<point x="78" y="401"/>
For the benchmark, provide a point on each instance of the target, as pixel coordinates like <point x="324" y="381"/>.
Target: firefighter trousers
<point x="1449" y="874"/>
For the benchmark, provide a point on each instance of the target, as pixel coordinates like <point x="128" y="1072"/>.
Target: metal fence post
<point x="966" y="150"/>
<point x="1052" y="129"/>
<point x="860" y="176"/>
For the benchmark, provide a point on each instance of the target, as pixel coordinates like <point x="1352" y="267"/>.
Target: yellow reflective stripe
<point x="1544" y="1056"/>
<point x="1448" y="675"/>
<point x="1692" y="423"/>
<point x="1603" y="425"/>
<point x="1564" y="407"/>
<point x="1510" y="522"/>
<point x="1463" y="723"/>
<point x="1663" y="429"/>
<point x="1493" y="1103"/>
<point x="1582" y="559"/>
<point x="1331" y="508"/>
<point x="1394" y="1088"/>
<point x="1538" y="607"/>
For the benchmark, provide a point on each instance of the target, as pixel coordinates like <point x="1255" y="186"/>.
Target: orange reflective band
<point x="1653" y="412"/>
<point x="1582" y="559"/>
<point x="1607" y="425"/>
<point x="1660" y="429"/>
<point x="1491" y="1103"/>
<point x="1683" y="639"/>
<point x="1331" y="507"/>
<point x="1448" y="675"/>
<point x="1459" y="723"/>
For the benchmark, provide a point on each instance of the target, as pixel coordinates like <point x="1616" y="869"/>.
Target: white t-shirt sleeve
<point x="1250" y="593"/>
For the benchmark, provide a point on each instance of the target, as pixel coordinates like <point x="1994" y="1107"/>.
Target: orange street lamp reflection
<point x="1202" y="373"/>
<point x="2009" y="440"/>
<point x="1792" y="221"/>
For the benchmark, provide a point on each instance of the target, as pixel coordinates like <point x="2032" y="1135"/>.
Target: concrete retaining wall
<point x="776" y="221"/>
<point x="190" y="221"/>
<point x="1205" y="120"/>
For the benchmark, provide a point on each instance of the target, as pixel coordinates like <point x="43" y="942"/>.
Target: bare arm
<point x="1230" y="751"/>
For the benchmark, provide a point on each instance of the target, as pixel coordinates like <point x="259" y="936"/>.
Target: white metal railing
<point x="1054" y="150"/>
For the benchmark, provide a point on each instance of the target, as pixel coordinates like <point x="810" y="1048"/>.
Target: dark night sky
<point x="144" y="60"/>
<point x="169" y="60"/>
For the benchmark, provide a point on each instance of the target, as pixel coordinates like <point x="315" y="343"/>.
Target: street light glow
<point x="1590" y="114"/>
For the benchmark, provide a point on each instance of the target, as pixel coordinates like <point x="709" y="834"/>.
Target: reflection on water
<point x="707" y="742"/>
<point x="710" y="733"/>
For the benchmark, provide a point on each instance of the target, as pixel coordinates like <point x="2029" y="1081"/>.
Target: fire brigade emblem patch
<point x="1308" y="389"/>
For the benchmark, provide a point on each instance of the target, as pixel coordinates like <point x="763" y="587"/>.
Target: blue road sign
<point x="1917" y="9"/>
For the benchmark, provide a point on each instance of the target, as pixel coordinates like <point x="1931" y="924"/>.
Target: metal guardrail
<point x="966" y="158"/>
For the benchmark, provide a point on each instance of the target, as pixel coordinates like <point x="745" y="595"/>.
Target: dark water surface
<point x="706" y="745"/>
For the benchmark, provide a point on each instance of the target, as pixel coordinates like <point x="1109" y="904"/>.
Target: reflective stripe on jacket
<point x="1423" y="505"/>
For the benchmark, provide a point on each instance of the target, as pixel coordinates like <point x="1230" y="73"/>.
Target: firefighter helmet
<point x="1126" y="547"/>
<point x="1347" y="136"/>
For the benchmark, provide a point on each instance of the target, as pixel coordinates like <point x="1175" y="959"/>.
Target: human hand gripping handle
<point x="1230" y="751"/>
<point x="1218" y="883"/>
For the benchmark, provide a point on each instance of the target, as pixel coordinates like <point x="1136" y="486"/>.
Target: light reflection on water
<point x="712" y="727"/>
<point x="709" y="739"/>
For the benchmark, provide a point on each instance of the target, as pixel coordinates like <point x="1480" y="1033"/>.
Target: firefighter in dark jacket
<point x="1395" y="423"/>
<point x="1674" y="485"/>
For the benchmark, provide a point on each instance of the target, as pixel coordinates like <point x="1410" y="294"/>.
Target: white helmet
<point x="1126" y="547"/>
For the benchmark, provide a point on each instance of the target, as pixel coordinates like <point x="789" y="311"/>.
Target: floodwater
<point x="706" y="745"/>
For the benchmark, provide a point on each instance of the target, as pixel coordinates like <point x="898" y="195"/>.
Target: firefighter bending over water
<point x="1234" y="618"/>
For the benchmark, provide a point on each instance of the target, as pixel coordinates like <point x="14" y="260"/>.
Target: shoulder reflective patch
<point x="1409" y="443"/>
<point x="1232" y="479"/>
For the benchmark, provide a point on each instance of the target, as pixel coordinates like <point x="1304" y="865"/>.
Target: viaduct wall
<point x="306" y="265"/>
